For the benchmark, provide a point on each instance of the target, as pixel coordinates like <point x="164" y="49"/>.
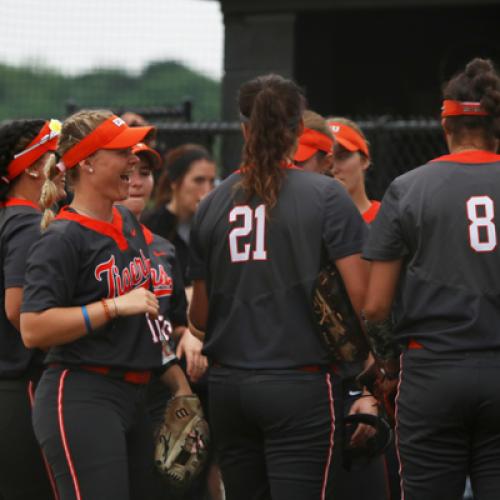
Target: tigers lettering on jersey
<point x="162" y="283"/>
<point x="138" y="273"/>
<point x="135" y="275"/>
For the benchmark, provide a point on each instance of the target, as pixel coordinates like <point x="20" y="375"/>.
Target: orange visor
<point x="349" y="138"/>
<point x="310" y="142"/>
<point x="46" y="140"/>
<point x="144" y="149"/>
<point x="461" y="108"/>
<point x="114" y="133"/>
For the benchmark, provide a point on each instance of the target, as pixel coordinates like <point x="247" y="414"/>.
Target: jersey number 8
<point x="481" y="219"/>
<point x="248" y="215"/>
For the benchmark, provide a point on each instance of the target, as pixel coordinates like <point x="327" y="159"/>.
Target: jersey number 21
<point x="249" y="220"/>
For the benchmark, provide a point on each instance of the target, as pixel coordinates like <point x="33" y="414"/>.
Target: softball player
<point x="351" y="160"/>
<point x="435" y="241"/>
<point x="87" y="301"/>
<point x="188" y="176"/>
<point x="258" y="242"/>
<point x="25" y="146"/>
<point x="172" y="298"/>
<point x="315" y="149"/>
<point x="315" y="153"/>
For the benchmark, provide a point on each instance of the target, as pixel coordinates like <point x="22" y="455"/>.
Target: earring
<point x="34" y="175"/>
<point x="91" y="170"/>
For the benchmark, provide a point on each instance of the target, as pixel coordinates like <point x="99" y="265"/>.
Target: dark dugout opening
<point x="372" y="62"/>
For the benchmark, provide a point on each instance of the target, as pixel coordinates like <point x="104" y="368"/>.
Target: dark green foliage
<point x="41" y="92"/>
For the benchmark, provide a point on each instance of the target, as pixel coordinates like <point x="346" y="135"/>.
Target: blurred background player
<point x="141" y="187"/>
<point x="434" y="247"/>
<point x="172" y="298"/>
<point x="188" y="175"/>
<point x="351" y="160"/>
<point x="173" y="304"/>
<point x="25" y="146"/>
<point x="257" y="243"/>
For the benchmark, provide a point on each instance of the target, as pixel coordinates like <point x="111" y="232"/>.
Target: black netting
<point x="396" y="145"/>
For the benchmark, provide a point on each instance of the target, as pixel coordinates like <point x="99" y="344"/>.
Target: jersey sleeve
<point x="51" y="273"/>
<point x="385" y="241"/>
<point x="344" y="230"/>
<point x="178" y="302"/>
<point x="16" y="254"/>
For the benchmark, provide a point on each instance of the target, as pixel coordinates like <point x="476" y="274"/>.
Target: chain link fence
<point x="397" y="145"/>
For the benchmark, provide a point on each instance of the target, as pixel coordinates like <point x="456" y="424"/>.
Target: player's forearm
<point x="175" y="379"/>
<point x="198" y="309"/>
<point x="61" y="325"/>
<point x="354" y="272"/>
<point x="384" y="277"/>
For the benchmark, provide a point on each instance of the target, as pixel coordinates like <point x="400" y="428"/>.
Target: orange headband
<point x="46" y="140"/>
<point x="461" y="108"/>
<point x="348" y="137"/>
<point x="113" y="133"/>
<point x="310" y="142"/>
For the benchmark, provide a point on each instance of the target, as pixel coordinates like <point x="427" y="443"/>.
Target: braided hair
<point x="271" y="108"/>
<point x="74" y="129"/>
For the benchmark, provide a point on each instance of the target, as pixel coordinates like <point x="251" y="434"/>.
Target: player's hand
<point x="364" y="404"/>
<point x="137" y="301"/>
<point x="196" y="363"/>
<point x="380" y="378"/>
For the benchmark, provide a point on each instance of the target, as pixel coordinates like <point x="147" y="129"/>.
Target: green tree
<point x="42" y="92"/>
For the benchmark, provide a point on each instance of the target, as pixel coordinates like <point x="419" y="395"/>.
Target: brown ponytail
<point x="271" y="108"/>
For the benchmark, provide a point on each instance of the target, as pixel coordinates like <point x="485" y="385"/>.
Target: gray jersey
<point x="441" y="219"/>
<point x="261" y="266"/>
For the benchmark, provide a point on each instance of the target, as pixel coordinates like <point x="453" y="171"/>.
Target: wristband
<point x="106" y="309"/>
<point x="116" y="308"/>
<point x="88" y="325"/>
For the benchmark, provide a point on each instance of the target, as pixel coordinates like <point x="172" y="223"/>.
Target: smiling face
<point x="141" y="187"/>
<point x="110" y="171"/>
<point x="197" y="182"/>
